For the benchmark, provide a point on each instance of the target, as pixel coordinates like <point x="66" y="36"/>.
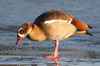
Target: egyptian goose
<point x="52" y="25"/>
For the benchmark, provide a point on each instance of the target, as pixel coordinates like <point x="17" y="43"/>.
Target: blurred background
<point x="14" y="13"/>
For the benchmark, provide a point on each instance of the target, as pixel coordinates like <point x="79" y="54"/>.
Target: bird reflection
<point x="56" y="61"/>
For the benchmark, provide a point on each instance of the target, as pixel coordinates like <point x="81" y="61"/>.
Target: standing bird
<point x="52" y="25"/>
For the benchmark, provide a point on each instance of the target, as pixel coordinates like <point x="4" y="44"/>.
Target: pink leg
<point x="56" y="54"/>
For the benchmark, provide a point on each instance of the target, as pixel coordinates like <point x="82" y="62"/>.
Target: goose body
<point x="52" y="25"/>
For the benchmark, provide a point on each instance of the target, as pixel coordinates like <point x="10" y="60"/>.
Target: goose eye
<point x="21" y="31"/>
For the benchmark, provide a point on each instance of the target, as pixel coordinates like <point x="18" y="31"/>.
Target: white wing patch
<point x="52" y="21"/>
<point x="70" y="21"/>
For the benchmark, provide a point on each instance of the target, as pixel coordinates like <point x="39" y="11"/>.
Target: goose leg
<point x="55" y="54"/>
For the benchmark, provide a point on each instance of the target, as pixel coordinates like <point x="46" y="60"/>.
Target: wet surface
<point x="75" y="51"/>
<point x="40" y="61"/>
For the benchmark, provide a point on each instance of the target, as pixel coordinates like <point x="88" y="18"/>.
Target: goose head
<point x="23" y="31"/>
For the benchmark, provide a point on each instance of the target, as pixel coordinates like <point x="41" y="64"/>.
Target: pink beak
<point x="18" y="40"/>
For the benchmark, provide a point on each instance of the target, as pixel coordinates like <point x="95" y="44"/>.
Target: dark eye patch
<point x="21" y="31"/>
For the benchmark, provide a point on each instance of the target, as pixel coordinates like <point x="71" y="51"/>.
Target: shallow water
<point x="40" y="61"/>
<point x="75" y="51"/>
